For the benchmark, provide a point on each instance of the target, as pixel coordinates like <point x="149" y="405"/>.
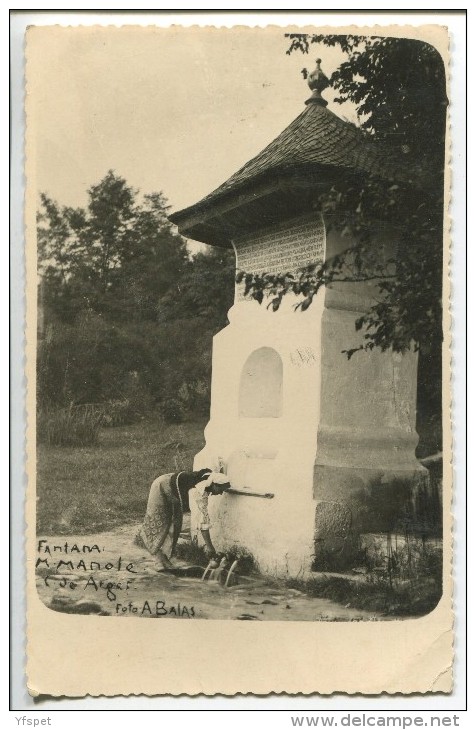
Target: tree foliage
<point x="127" y="313"/>
<point x="117" y="256"/>
<point x="398" y="88"/>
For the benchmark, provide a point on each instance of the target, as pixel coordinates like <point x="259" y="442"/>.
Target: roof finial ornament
<point x="317" y="82"/>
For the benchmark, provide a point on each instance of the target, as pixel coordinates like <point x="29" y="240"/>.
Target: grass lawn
<point x="87" y="489"/>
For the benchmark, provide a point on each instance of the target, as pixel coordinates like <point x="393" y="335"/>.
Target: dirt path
<point x="107" y="574"/>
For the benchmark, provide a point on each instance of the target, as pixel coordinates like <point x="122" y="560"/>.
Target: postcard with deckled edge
<point x="238" y="365"/>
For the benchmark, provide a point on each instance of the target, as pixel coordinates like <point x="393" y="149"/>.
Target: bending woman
<point x="168" y="500"/>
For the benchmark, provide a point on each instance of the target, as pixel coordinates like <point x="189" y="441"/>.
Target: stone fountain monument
<point x="319" y="449"/>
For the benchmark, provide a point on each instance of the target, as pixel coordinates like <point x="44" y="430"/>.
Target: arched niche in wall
<point x="261" y="385"/>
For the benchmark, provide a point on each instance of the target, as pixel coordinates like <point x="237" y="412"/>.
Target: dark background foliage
<point x="126" y="313"/>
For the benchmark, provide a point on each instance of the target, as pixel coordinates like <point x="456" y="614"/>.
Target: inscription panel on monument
<point x="282" y="248"/>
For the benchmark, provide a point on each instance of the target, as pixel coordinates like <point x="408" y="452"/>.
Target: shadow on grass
<point x="404" y="599"/>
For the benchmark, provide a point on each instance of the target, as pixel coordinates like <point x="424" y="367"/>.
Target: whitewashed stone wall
<point x="320" y="432"/>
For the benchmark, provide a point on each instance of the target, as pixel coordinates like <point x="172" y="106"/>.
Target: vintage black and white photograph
<point x="240" y="290"/>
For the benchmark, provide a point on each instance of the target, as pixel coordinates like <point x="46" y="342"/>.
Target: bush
<point x="95" y="361"/>
<point x="120" y="413"/>
<point x="194" y="396"/>
<point x="173" y="410"/>
<point x="69" y="426"/>
<point x="400" y="558"/>
<point x="132" y="405"/>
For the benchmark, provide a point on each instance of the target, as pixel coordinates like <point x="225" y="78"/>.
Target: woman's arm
<point x="215" y="484"/>
<point x="209" y="548"/>
<point x="201" y="500"/>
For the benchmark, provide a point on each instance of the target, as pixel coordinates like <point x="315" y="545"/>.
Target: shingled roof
<point x="315" y="145"/>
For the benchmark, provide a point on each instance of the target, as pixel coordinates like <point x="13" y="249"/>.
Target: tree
<point x="128" y="313"/>
<point x="117" y="256"/>
<point x="398" y="87"/>
<point x="189" y="316"/>
<point x="103" y="271"/>
<point x="205" y="289"/>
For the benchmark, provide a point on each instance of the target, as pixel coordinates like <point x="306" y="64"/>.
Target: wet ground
<point x="107" y="574"/>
